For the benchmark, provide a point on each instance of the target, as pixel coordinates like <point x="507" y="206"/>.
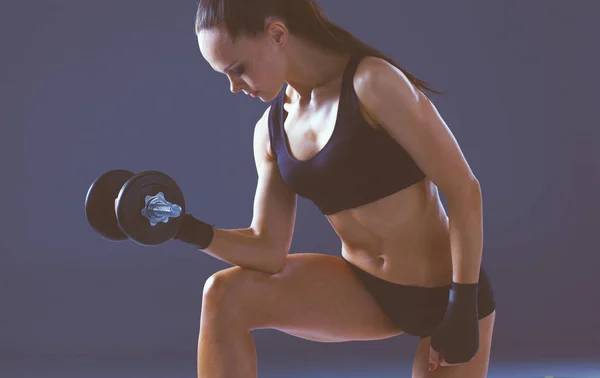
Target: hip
<point x="418" y="310"/>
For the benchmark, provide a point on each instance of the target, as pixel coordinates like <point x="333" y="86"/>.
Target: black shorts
<point x="418" y="310"/>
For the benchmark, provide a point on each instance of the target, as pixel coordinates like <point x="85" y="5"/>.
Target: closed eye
<point x="238" y="71"/>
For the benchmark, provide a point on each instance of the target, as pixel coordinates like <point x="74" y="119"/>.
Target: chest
<point x="308" y="130"/>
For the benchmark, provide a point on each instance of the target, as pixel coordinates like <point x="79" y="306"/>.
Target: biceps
<point x="274" y="208"/>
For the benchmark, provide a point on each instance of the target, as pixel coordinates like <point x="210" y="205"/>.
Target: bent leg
<point x="476" y="368"/>
<point x="315" y="297"/>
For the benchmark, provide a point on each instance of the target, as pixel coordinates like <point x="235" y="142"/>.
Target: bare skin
<point x="403" y="238"/>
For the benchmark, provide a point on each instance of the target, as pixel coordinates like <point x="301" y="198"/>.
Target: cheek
<point x="270" y="74"/>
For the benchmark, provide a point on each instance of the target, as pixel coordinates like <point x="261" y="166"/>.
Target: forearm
<point x="466" y="234"/>
<point x="244" y="248"/>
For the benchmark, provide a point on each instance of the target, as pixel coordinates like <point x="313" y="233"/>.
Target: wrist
<point x="460" y="292"/>
<point x="195" y="232"/>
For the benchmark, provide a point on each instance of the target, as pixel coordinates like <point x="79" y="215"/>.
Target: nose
<point x="235" y="87"/>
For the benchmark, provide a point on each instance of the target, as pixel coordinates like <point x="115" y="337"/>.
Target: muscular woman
<point x="354" y="132"/>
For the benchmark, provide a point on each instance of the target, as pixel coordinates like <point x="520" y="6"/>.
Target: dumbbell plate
<point x="100" y="204"/>
<point x="131" y="201"/>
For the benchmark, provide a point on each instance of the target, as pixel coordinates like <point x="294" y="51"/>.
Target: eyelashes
<point x="239" y="70"/>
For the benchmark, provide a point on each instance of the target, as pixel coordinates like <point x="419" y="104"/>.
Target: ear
<point x="276" y="30"/>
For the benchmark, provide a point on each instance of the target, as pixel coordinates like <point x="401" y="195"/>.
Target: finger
<point x="434" y="357"/>
<point x="444" y="363"/>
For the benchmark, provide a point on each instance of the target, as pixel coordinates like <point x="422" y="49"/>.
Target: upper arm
<point x="412" y="120"/>
<point x="274" y="203"/>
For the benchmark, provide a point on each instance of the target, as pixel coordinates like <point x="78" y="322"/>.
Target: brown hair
<point x="303" y="18"/>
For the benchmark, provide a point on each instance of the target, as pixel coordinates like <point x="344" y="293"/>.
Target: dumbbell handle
<point x="158" y="209"/>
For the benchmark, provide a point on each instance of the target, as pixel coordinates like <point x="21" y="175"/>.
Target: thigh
<point x="476" y="368"/>
<point x="315" y="297"/>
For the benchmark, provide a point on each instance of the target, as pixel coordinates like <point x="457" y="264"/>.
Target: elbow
<point x="274" y="255"/>
<point x="270" y="268"/>
<point x="276" y="262"/>
<point x="273" y="270"/>
<point x="275" y="259"/>
<point x="475" y="184"/>
<point x="468" y="200"/>
<point x="467" y="197"/>
<point x="471" y="185"/>
<point x="473" y="189"/>
<point x="267" y="265"/>
<point x="467" y="190"/>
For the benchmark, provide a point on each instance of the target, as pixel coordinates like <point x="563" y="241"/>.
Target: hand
<point x="436" y="360"/>
<point x="456" y="339"/>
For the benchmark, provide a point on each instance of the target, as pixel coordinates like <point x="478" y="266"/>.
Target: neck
<point x="312" y="69"/>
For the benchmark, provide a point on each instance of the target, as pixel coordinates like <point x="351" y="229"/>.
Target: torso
<point x="403" y="238"/>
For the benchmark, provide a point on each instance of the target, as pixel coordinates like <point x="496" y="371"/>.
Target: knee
<point x="227" y="286"/>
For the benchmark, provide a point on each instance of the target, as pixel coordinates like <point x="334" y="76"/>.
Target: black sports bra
<point x="359" y="164"/>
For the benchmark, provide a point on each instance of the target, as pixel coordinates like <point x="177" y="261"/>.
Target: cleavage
<point x="309" y="131"/>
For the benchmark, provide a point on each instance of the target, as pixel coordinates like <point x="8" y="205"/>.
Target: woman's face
<point x="253" y="65"/>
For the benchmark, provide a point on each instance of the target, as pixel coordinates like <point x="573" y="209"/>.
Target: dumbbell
<point x="148" y="208"/>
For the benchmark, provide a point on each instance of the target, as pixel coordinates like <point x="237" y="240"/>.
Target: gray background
<point x="89" y="86"/>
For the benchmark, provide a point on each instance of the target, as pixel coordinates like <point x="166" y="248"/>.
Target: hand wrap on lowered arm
<point x="457" y="336"/>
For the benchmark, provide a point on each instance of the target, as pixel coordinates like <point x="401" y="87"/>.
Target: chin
<point x="263" y="97"/>
<point x="270" y="96"/>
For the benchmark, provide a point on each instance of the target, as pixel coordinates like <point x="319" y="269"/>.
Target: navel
<point x="380" y="261"/>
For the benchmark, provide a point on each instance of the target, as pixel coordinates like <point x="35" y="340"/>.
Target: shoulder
<point x="377" y="82"/>
<point x="374" y="75"/>
<point x="262" y="137"/>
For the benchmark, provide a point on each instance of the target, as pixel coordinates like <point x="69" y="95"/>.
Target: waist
<point x="405" y="266"/>
<point x="403" y="239"/>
